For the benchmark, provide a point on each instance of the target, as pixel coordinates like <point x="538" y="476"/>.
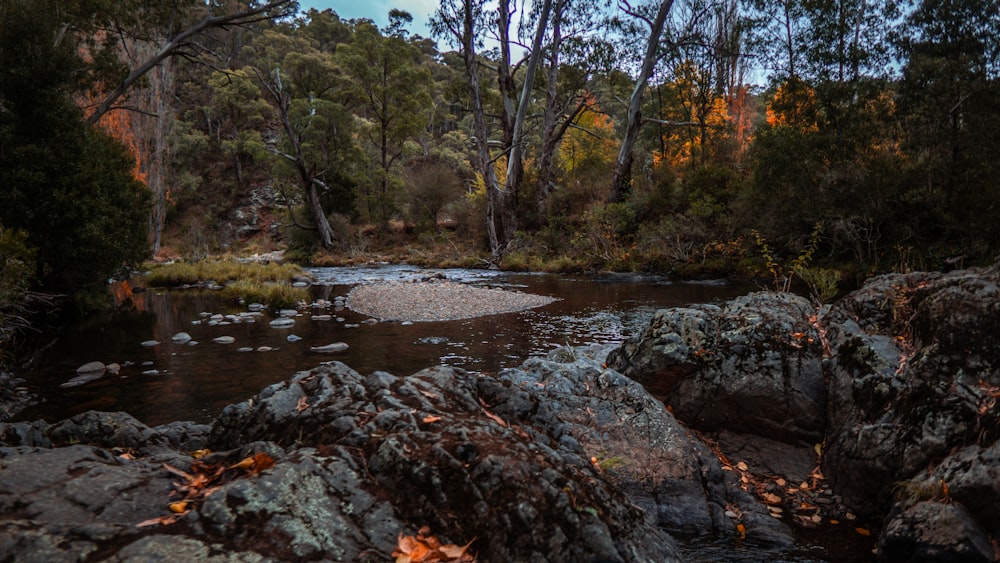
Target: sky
<point x="378" y="11"/>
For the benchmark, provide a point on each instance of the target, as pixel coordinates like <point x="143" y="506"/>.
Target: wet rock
<point x="181" y="338"/>
<point x="114" y="368"/>
<point x="753" y="365"/>
<point x="330" y="348"/>
<point x="293" y="338"/>
<point x="83" y="378"/>
<point x="282" y="322"/>
<point x="91" y="367"/>
<point x="224" y="340"/>
<point x="150" y="343"/>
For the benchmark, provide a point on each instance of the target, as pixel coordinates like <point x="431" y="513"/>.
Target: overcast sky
<point x="378" y="11"/>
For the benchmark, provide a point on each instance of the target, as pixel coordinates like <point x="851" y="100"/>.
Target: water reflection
<point x="195" y="381"/>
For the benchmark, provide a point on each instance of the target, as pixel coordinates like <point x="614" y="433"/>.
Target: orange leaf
<point x="863" y="531"/>
<point x="245" y="463"/>
<point x="303" y="404"/>
<point x="161" y="521"/>
<point x="430" y="419"/>
<point x="742" y="530"/>
<point x="495" y="418"/>
<point x="178" y="507"/>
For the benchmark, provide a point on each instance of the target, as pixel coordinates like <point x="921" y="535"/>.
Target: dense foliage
<point x="70" y="188"/>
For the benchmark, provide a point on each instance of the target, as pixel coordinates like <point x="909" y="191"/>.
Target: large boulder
<point x="753" y="365"/>
<point x="433" y="444"/>
<point x="913" y="415"/>
<point x="636" y="442"/>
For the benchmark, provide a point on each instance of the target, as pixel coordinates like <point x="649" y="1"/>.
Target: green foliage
<point x="68" y="186"/>
<point x="17" y="264"/>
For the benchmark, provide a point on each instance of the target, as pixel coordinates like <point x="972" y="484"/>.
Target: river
<point x="170" y="381"/>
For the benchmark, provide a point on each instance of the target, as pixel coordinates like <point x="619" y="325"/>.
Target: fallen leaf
<point x="742" y="466"/>
<point x="198" y="454"/>
<point x="863" y="531"/>
<point x="161" y="521"/>
<point x="429" y="394"/>
<point x="303" y="404"/>
<point x="819" y="449"/>
<point x="494" y="417"/>
<point x="178" y="507"/>
<point x="741" y="530"/>
<point x="430" y="419"/>
<point x="780" y="482"/>
<point x="771" y="498"/>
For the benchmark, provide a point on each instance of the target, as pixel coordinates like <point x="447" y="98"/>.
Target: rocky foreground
<point x="761" y="415"/>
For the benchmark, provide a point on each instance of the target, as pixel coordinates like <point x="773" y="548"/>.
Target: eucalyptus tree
<point x="655" y="21"/>
<point x="575" y="49"/>
<point x="316" y="148"/>
<point x="389" y="89"/>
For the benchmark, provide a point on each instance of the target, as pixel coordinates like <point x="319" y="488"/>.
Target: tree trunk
<point x="621" y="177"/>
<point x="484" y="160"/>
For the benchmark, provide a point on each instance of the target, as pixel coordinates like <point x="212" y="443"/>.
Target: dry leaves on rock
<point x="425" y="548"/>
<point x="204" y="479"/>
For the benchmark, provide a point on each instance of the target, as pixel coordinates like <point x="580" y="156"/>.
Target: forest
<point x="822" y="140"/>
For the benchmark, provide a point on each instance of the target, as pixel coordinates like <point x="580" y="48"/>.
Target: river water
<point x="194" y="382"/>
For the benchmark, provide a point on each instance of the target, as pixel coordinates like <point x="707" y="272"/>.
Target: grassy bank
<point x="270" y="284"/>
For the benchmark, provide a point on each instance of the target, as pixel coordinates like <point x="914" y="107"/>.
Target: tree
<point x="391" y="92"/>
<point x="461" y="22"/>
<point x="621" y="177"/>
<point x="317" y="144"/>
<point x="950" y="97"/>
<point x="67" y="185"/>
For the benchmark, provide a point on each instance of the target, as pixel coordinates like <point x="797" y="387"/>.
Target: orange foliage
<point x="425" y="548"/>
<point x="793" y="105"/>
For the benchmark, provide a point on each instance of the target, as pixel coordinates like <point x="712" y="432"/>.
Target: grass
<point x="219" y="271"/>
<point x="252" y="282"/>
<point x="276" y="295"/>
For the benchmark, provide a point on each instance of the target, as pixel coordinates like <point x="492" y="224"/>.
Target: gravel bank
<point x="437" y="301"/>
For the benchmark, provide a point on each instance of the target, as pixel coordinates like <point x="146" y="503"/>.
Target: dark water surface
<point x="194" y="382"/>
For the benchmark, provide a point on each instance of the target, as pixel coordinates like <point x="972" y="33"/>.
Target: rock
<point x="91" y="367"/>
<point x="288" y="313"/>
<point x="224" y="340"/>
<point x="151" y="372"/>
<point x="433" y="340"/>
<point x="914" y="358"/>
<point x="245" y="349"/>
<point x="113" y="368"/>
<point x="934" y="531"/>
<point x="282" y="322"/>
<point x="83" y="378"/>
<point x="293" y="338"/>
<point x="255" y="307"/>
<point x="432" y="448"/>
<point x="330" y="348"/>
<point x="150" y="343"/>
<point x="610" y="419"/>
<point x="181" y="338"/>
<point x="753" y="365"/>
<point x="321" y="317"/>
